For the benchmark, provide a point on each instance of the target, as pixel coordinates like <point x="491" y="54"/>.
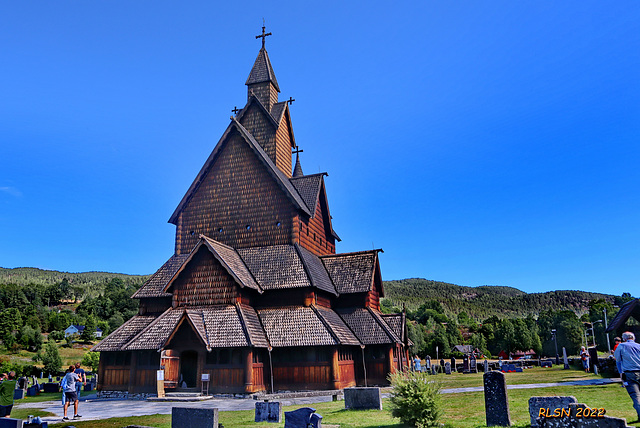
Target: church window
<point x="219" y="230"/>
<point x="248" y="227"/>
<point x="314" y="237"/>
<point x="193" y="232"/>
<point x="278" y="224"/>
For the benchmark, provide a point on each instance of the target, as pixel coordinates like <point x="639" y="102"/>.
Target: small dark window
<point x="236" y="356"/>
<point x="278" y="224"/>
<point x="224" y="356"/>
<point x="193" y="232"/>
<point x="314" y="237"/>
<point x="248" y="227"/>
<point x="212" y="358"/>
<point x="219" y="230"/>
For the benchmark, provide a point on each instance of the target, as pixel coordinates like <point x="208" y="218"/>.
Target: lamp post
<point x="593" y="333"/>
<point x="555" y="340"/>
<point x="606" y="327"/>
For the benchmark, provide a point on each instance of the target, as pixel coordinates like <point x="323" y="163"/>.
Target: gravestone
<point x="18" y="394"/>
<point x="453" y="364"/>
<point x="569" y="419"/>
<point x="564" y="358"/>
<point x="465" y="364"/>
<point x="486" y="366"/>
<point x="51" y="387"/>
<point x="187" y="417"/>
<point x="32" y="391"/>
<point x="316" y="421"/>
<point x="495" y="399"/>
<point x="433" y="370"/>
<point x="268" y="411"/>
<point x="427" y="363"/>
<point x="359" y="398"/>
<point x="299" y="418"/>
<point x="441" y="363"/>
<point x="546" y="363"/>
<point x="447" y="368"/>
<point x="10" y="423"/>
<point x="473" y="365"/>
<point x="550" y="403"/>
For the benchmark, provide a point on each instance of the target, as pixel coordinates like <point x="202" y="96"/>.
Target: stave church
<point x="254" y="295"/>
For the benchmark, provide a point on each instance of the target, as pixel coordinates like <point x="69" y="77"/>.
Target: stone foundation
<point x="125" y="395"/>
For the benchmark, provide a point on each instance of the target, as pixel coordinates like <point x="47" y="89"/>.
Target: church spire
<point x="262" y="80"/>
<point x="297" y="171"/>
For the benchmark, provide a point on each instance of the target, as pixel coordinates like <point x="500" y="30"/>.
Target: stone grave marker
<point x="11" y="423"/>
<point x="270" y="411"/>
<point x="188" y="417"/>
<point x="564" y="358"/>
<point x="570" y="419"/>
<point x="546" y="363"/>
<point x="551" y="403"/>
<point x="427" y="363"/>
<point x="486" y="366"/>
<point x="51" y="387"/>
<point x="359" y="398"/>
<point x="465" y="364"/>
<point x="453" y="364"/>
<point x="473" y="365"/>
<point x="495" y="399"/>
<point x="18" y="394"/>
<point x="441" y="363"/>
<point x="300" y="418"/>
<point x="447" y="368"/>
<point x="316" y="421"/>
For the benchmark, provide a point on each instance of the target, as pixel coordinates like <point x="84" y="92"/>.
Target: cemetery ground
<point x="464" y="409"/>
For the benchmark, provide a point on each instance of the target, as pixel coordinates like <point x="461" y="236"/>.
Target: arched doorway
<point x="189" y="368"/>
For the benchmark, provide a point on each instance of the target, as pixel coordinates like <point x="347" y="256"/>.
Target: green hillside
<point x="485" y="301"/>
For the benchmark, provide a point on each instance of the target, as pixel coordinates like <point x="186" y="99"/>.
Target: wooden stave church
<point x="254" y="294"/>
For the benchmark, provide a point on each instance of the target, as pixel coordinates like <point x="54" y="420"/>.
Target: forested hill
<point x="27" y="275"/>
<point x="485" y="301"/>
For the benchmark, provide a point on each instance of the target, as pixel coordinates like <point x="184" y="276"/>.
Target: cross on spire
<point x="263" y="35"/>
<point x="297" y="150"/>
<point x="235" y="110"/>
<point x="290" y="100"/>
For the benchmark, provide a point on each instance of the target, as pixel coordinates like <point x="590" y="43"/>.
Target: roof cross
<point x="297" y="150"/>
<point x="263" y="36"/>
<point x="235" y="110"/>
<point x="290" y="100"/>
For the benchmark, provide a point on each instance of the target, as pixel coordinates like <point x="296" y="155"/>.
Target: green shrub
<point x="415" y="399"/>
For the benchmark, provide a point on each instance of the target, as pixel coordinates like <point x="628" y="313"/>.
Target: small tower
<point x="262" y="80"/>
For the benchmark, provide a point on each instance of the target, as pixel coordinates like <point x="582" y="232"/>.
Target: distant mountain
<point x="485" y="301"/>
<point x="27" y="275"/>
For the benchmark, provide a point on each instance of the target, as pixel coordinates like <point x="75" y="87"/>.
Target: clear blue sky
<point x="475" y="142"/>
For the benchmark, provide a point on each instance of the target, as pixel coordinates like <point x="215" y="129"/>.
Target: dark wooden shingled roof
<point x="315" y="269"/>
<point x="275" y="267"/>
<point x="368" y="326"/>
<point x="123" y="334"/>
<point x="303" y="326"/>
<point x="336" y="325"/>
<point x="352" y="272"/>
<point x="279" y="177"/>
<point x="396" y="322"/>
<point x="629" y="309"/>
<point x="308" y="186"/>
<point x="156" y="334"/>
<point x="262" y="71"/>
<point x="158" y="281"/>
<point x="253" y="329"/>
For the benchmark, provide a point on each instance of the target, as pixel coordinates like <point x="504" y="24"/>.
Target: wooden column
<point x="202" y="355"/>
<point x="132" y="372"/>
<point x="248" y="370"/>
<point x="392" y="367"/>
<point x="100" y="372"/>
<point x="335" y="369"/>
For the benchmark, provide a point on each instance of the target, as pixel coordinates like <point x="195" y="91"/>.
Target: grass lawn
<point x="69" y="355"/>
<point x="465" y="410"/>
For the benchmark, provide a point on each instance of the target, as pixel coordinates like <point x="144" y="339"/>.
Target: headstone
<point x="569" y="418"/>
<point x="187" y="417"/>
<point x="486" y="366"/>
<point x="547" y="404"/>
<point x="427" y="363"/>
<point x="316" y="421"/>
<point x="297" y="418"/>
<point x="434" y="371"/>
<point x="18" y="394"/>
<point x="51" y="387"/>
<point x="442" y="363"/>
<point x="495" y="399"/>
<point x="447" y="368"/>
<point x="362" y="398"/>
<point x="268" y="411"/>
<point x="593" y="357"/>
<point x="564" y="358"/>
<point x="473" y="365"/>
<point x="10" y="423"/>
<point x="453" y="364"/>
<point x="465" y="364"/>
<point x="32" y="391"/>
<point x="546" y="363"/>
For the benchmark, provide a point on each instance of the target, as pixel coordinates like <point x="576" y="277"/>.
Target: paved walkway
<point x="92" y="408"/>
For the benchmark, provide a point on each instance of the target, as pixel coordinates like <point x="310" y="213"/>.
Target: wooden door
<point x="171" y="363"/>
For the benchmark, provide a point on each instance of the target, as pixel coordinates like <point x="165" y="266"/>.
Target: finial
<point x="235" y="110"/>
<point x="263" y="35"/>
<point x="290" y="101"/>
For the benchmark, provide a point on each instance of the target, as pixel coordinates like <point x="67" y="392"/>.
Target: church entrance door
<point x="189" y="368"/>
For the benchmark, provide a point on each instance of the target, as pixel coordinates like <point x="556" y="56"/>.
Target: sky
<point x="477" y="143"/>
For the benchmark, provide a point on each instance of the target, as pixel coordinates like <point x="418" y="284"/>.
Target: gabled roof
<point x="158" y="281"/>
<point x="123" y="334"/>
<point x="275" y="267"/>
<point x="253" y="99"/>
<point x="629" y="309"/>
<point x="281" y="180"/>
<point x="227" y="257"/>
<point x="304" y="326"/>
<point x="308" y="186"/>
<point x="156" y="334"/>
<point x="262" y="71"/>
<point x="352" y="272"/>
<point x="316" y="271"/>
<point x="368" y="326"/>
<point x="396" y="322"/>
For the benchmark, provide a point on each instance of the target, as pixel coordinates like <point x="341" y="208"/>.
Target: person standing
<point x="627" y="357"/>
<point x="70" y="393"/>
<point x="7" y="387"/>
<point x="83" y="379"/>
<point x="417" y="364"/>
<point x="584" y="356"/>
<point x="616" y="342"/>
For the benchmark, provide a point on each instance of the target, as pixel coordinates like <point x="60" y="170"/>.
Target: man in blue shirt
<point x="627" y="357"/>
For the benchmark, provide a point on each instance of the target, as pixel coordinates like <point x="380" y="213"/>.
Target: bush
<point x="57" y="335"/>
<point x="415" y="399"/>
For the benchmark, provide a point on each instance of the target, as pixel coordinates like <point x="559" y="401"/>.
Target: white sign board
<point x="205" y="377"/>
<point x="160" y="375"/>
